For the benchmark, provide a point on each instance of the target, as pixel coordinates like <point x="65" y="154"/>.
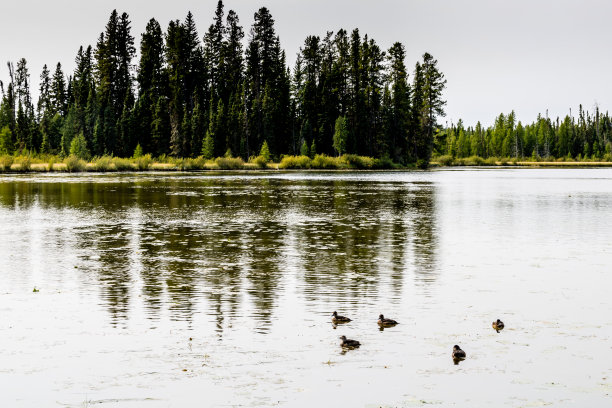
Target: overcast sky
<point x="526" y="55"/>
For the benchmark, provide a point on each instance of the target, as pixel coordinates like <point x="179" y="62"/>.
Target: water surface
<point x="216" y="289"/>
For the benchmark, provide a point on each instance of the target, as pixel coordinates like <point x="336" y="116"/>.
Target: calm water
<point x="174" y="290"/>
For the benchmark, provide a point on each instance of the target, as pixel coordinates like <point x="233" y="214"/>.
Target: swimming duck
<point x="336" y="318"/>
<point x="458" y="354"/>
<point x="386" y="322"/>
<point x="348" y="342"/>
<point x="498" y="325"/>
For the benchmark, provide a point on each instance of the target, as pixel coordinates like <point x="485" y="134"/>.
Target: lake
<point x="217" y="289"/>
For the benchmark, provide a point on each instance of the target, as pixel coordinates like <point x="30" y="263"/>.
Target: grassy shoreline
<point x="477" y="161"/>
<point x="71" y="164"/>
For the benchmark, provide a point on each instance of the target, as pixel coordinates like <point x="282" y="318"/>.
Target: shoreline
<point x="42" y="168"/>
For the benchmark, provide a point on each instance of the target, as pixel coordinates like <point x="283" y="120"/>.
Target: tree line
<point x="216" y="95"/>
<point x="589" y="136"/>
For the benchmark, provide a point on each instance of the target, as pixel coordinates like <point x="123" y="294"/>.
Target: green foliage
<point x="199" y="163"/>
<point x="74" y="164"/>
<point x="295" y="162"/>
<point x="313" y="149"/>
<point x="6" y="141"/>
<point x="24" y="162"/>
<point x="385" y="163"/>
<point x="208" y="146"/>
<point x="322" y="161"/>
<point x="340" y="135"/>
<point x="422" y="164"/>
<point x="225" y="163"/>
<point x="103" y="164"/>
<point x="137" y="152"/>
<point x="6" y="162"/>
<point x="121" y="164"/>
<point x="474" y="161"/>
<point x="444" y="160"/>
<point x="143" y="162"/>
<point x="304" y="149"/>
<point x="345" y="95"/>
<point x="50" y="163"/>
<point x="259" y="161"/>
<point x="265" y="151"/>
<point x="78" y="147"/>
<point x="358" y="162"/>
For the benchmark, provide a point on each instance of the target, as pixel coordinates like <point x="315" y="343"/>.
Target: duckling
<point x="498" y="325"/>
<point x="386" y="322"/>
<point x="458" y="354"/>
<point x="339" y="319"/>
<point x="349" y="343"/>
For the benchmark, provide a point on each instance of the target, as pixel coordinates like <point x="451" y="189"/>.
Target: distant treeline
<point x="186" y="97"/>
<point x="589" y="137"/>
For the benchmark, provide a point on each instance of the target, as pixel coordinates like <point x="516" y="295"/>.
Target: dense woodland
<point x="224" y="94"/>
<point x="587" y="137"/>
<point x="230" y="94"/>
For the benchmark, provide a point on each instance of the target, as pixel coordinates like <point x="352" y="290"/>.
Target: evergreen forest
<point x="226" y="93"/>
<point x="231" y="93"/>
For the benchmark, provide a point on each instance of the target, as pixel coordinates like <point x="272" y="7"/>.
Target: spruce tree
<point x="433" y="103"/>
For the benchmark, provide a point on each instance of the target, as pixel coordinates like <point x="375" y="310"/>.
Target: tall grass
<point x="143" y="162"/>
<point x="358" y="162"/>
<point x="24" y="162"/>
<point x="103" y="164"/>
<point x="74" y="164"/>
<point x="122" y="164"/>
<point x="229" y="163"/>
<point x="347" y="161"/>
<point x="199" y="163"/>
<point x="323" y="161"/>
<point x="295" y="162"/>
<point x="259" y="161"/>
<point x="6" y="162"/>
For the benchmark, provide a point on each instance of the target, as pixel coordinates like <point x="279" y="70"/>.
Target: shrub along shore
<point x="72" y="163"/>
<point x="51" y="163"/>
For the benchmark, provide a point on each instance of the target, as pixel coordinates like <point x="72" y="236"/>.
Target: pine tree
<point x="152" y="83"/>
<point x="304" y="149"/>
<point x="114" y="53"/>
<point x="397" y="136"/>
<point x="433" y="104"/>
<point x="265" y="152"/>
<point x="59" y="102"/>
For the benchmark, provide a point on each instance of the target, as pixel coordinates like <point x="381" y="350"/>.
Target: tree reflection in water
<point x="183" y="244"/>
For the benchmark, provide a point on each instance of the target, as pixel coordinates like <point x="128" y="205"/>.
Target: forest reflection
<point x="223" y="246"/>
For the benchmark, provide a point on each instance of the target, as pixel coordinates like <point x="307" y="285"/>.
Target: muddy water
<point x="181" y="290"/>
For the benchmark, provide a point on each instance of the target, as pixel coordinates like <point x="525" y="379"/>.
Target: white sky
<point x="526" y="55"/>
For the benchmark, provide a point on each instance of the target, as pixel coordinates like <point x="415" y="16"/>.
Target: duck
<point x="336" y="318"/>
<point x="349" y="343"/>
<point x="498" y="325"/>
<point x="458" y="354"/>
<point x="386" y="322"/>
